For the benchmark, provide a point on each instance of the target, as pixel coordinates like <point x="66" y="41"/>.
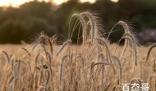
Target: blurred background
<point x="24" y="20"/>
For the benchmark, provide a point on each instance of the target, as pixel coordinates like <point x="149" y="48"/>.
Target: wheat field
<point x="95" y="65"/>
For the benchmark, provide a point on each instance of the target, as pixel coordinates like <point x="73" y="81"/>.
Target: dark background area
<point x="30" y="19"/>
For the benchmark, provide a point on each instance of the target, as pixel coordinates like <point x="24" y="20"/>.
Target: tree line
<point x="26" y="22"/>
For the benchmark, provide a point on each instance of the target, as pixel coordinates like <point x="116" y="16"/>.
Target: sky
<point x="16" y="3"/>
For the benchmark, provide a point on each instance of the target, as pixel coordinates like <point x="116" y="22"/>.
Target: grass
<point x="95" y="65"/>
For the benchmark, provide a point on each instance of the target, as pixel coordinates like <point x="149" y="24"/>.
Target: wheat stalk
<point x="149" y="52"/>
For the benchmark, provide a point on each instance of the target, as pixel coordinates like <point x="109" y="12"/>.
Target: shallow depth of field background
<point x="24" y="22"/>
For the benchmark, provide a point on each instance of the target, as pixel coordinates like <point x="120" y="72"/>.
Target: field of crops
<point x="95" y="65"/>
